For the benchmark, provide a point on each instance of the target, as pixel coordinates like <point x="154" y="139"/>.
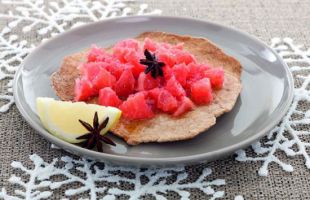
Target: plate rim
<point x="205" y="157"/>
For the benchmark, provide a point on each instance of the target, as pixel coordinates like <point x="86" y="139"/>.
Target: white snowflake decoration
<point x="286" y="135"/>
<point x="49" y="18"/>
<point x="40" y="184"/>
<point x="239" y="197"/>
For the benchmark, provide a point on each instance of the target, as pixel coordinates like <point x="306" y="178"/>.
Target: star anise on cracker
<point x="93" y="137"/>
<point x="153" y="65"/>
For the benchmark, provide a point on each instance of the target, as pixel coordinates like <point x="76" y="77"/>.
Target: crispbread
<point x="163" y="127"/>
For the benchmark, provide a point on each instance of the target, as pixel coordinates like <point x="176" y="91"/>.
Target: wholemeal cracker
<point x="164" y="127"/>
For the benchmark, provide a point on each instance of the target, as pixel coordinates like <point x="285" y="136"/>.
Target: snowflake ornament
<point x="291" y="136"/>
<point x="46" y="19"/>
<point x="95" y="178"/>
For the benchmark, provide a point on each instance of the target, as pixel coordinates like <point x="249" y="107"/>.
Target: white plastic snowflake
<point x="49" y="18"/>
<point x="289" y="136"/>
<point x="94" y="179"/>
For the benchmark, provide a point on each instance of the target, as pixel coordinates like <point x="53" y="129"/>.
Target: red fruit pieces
<point x="180" y="72"/>
<point x="216" y="76"/>
<point x="125" y="84"/>
<point x="126" y="50"/>
<point x="116" y="69"/>
<point x="168" y="73"/>
<point x="128" y="43"/>
<point x="83" y="90"/>
<point x="119" y="80"/>
<point x="133" y="61"/>
<point x="166" y="101"/>
<point x="196" y="71"/>
<point x="184" y="57"/>
<point x="90" y="70"/>
<point x="96" y="54"/>
<point x="108" y="97"/>
<point x="175" y="88"/>
<point x="184" y="106"/>
<point x="154" y="94"/>
<point x="167" y="58"/>
<point x="103" y="79"/>
<point x="136" y="107"/>
<point x="201" y="91"/>
<point x="147" y="82"/>
<point x="149" y="45"/>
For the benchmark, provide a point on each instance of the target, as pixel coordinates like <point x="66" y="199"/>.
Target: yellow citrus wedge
<point x="61" y="118"/>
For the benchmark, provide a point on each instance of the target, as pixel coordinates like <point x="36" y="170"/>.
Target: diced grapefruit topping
<point x="116" y="68"/>
<point x="167" y="58"/>
<point x="167" y="72"/>
<point x="201" y="91"/>
<point x="120" y="80"/>
<point x="175" y="88"/>
<point x="125" y="84"/>
<point x="180" y="72"/>
<point x="103" y="79"/>
<point x="184" y="57"/>
<point x="90" y="70"/>
<point x="149" y="44"/>
<point x="154" y="94"/>
<point x="96" y="54"/>
<point x="184" y="106"/>
<point x="128" y="43"/>
<point x="108" y="97"/>
<point x="147" y="82"/>
<point x="136" y="67"/>
<point x="196" y="72"/>
<point x="83" y="90"/>
<point x="166" y="102"/>
<point x="216" y="76"/>
<point x="136" y="107"/>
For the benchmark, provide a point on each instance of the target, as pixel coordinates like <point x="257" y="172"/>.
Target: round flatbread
<point x="163" y="127"/>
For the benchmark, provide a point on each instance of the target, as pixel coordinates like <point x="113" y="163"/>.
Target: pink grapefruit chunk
<point x="167" y="58"/>
<point x="216" y="76"/>
<point x="149" y="44"/>
<point x="97" y="54"/>
<point x="115" y="68"/>
<point x="154" y="94"/>
<point x="103" y="79"/>
<point x="147" y="82"/>
<point x="201" y="91"/>
<point x="184" y="57"/>
<point x="166" y="102"/>
<point x="184" y="106"/>
<point x="108" y="97"/>
<point x="128" y="43"/>
<point x="136" y="107"/>
<point x="180" y="72"/>
<point x="125" y="84"/>
<point x="90" y="70"/>
<point x="83" y="90"/>
<point x="175" y="88"/>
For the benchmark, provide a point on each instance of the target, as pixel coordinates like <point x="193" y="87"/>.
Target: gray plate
<point x="265" y="97"/>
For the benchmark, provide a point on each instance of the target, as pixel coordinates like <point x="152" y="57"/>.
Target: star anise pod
<point x="93" y="137"/>
<point x="153" y="65"/>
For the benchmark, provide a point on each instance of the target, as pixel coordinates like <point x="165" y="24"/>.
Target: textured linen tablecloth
<point x="264" y="19"/>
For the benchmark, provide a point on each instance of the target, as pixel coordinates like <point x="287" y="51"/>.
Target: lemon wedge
<point x="61" y="117"/>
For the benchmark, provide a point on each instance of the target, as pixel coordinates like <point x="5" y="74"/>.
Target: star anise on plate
<point x="93" y="137"/>
<point x="153" y="65"/>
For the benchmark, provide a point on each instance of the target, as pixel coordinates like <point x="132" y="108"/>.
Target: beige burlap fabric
<point x="264" y="19"/>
